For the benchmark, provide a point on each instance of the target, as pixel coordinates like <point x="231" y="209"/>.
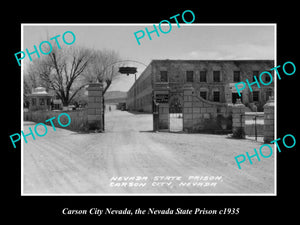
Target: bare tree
<point x="68" y="70"/>
<point x="103" y="67"/>
<point x="61" y="69"/>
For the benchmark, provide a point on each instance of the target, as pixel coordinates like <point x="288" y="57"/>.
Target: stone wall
<point x="78" y="118"/>
<point x="200" y="115"/>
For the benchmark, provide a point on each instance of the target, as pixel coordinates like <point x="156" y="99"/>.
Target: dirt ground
<point x="131" y="159"/>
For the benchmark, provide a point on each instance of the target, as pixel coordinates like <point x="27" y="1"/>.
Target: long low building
<point x="214" y="80"/>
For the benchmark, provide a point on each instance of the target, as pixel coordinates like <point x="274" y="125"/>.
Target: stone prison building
<point x="200" y="89"/>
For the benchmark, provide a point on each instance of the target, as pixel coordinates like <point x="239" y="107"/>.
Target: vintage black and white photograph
<point x="148" y="109"/>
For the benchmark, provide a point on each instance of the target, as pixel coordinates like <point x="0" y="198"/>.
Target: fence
<point x="254" y="123"/>
<point x="243" y="121"/>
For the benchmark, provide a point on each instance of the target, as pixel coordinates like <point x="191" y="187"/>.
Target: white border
<point x="275" y="109"/>
<point x="22" y="110"/>
<point x="151" y="24"/>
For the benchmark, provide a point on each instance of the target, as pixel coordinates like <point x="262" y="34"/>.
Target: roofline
<point x="39" y="94"/>
<point x="211" y="60"/>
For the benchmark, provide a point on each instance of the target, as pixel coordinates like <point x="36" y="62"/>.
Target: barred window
<point x="267" y="78"/>
<point x="216" y="96"/>
<point x="189" y="76"/>
<point x="202" y="76"/>
<point x="42" y="101"/>
<point x="255" y="73"/>
<point x="236" y="76"/>
<point x="255" y="95"/>
<point x="163" y="76"/>
<point x="203" y="94"/>
<point x="217" y="76"/>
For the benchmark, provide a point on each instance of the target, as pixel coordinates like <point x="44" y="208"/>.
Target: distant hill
<point x="115" y="96"/>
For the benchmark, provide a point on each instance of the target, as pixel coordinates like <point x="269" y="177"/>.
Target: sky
<point x="189" y="41"/>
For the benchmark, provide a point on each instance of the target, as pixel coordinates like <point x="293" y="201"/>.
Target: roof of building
<point x="40" y="91"/>
<point x="212" y="60"/>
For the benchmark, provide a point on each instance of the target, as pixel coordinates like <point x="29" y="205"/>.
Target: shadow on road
<point x="162" y="131"/>
<point x="137" y="113"/>
<point x="147" y="131"/>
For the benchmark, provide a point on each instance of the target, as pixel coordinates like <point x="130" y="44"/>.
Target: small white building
<point x="39" y="99"/>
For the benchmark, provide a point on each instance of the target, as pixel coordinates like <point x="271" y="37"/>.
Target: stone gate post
<point x="269" y="120"/>
<point x="95" y="106"/>
<point x="238" y="119"/>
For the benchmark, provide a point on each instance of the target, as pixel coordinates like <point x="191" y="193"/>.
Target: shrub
<point x="239" y="133"/>
<point x="94" y="125"/>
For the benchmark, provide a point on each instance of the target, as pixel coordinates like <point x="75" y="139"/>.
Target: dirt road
<point x="130" y="159"/>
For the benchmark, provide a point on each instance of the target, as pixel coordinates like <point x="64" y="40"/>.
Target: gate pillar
<point x="95" y="110"/>
<point x="155" y="110"/>
<point x="269" y="120"/>
<point x="238" y="119"/>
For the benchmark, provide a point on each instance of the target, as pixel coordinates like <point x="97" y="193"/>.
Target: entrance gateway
<point x="188" y="112"/>
<point x="161" y="109"/>
<point x="167" y="110"/>
<point x="176" y="113"/>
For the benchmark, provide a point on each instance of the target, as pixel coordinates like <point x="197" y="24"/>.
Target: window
<point x="202" y="76"/>
<point x="189" y="76"/>
<point x="255" y="96"/>
<point x="217" y="76"/>
<point x="267" y="78"/>
<point x="255" y="73"/>
<point x="163" y="76"/>
<point x="42" y="101"/>
<point x="33" y="101"/>
<point x="203" y="94"/>
<point x="236" y="76"/>
<point x="216" y="96"/>
<point x="269" y="93"/>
